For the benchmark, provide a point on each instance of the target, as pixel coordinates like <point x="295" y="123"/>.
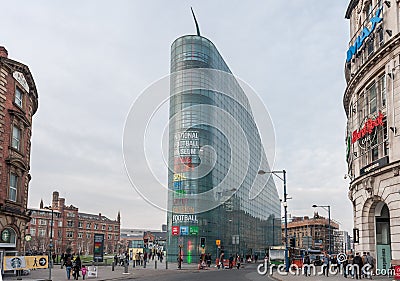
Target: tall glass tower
<point x="217" y="202"/>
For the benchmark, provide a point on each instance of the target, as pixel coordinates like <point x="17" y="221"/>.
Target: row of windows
<point x="96" y="226"/>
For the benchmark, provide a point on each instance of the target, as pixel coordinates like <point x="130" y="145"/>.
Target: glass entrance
<point x="383" y="250"/>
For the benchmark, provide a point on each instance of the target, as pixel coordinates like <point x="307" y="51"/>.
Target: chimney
<point x="3" y="52"/>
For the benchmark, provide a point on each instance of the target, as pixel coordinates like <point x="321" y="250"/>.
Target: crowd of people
<point x="353" y="266"/>
<point x="73" y="266"/>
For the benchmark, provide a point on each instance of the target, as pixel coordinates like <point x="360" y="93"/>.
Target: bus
<point x="277" y="255"/>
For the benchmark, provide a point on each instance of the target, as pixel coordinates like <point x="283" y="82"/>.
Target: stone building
<point x="18" y="103"/>
<point x="372" y="104"/>
<point x="72" y="229"/>
<point x="310" y="233"/>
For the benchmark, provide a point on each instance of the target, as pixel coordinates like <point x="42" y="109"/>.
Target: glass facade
<point x="218" y="202"/>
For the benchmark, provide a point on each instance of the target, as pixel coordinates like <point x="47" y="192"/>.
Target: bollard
<point x="112" y="266"/>
<point x="144" y="264"/>
<point x="155" y="264"/>
<point x="134" y="263"/>
<point x="126" y="268"/>
<point x="166" y="264"/>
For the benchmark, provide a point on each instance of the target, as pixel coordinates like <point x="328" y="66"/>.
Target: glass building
<point x="217" y="201"/>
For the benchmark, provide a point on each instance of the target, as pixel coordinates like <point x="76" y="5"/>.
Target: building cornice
<point x="352" y="5"/>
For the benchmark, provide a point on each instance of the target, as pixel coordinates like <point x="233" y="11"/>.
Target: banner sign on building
<point x="193" y="230"/>
<point x="175" y="230"/>
<point x="24" y="262"/>
<point x="98" y="247"/>
<point x="184" y="230"/>
<point x="374" y="165"/>
<point x="365" y="32"/>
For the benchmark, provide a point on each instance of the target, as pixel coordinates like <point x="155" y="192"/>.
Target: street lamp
<point x="51" y="241"/>
<point x="275" y="173"/>
<point x="329" y="222"/>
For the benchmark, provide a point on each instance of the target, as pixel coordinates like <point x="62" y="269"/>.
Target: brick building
<point x="18" y="103"/>
<point x="311" y="233"/>
<point x="71" y="229"/>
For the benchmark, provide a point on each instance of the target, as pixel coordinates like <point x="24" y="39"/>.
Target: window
<point x="70" y="215"/>
<point x="109" y="228"/>
<point x="18" y="97"/>
<point x="382" y="90"/>
<point x="42" y="232"/>
<point x="70" y="224"/>
<point x="13" y="187"/>
<point x="109" y="236"/>
<point x="116" y="228"/>
<point x="87" y="235"/>
<point x="80" y="224"/>
<point x="42" y="222"/>
<point x="33" y="221"/>
<point x="88" y="225"/>
<point x="32" y="231"/>
<point x="59" y="232"/>
<point x="96" y="226"/>
<point x="103" y="227"/>
<point x="70" y="234"/>
<point x="372" y="99"/>
<point x="60" y="223"/>
<point x="16" y="138"/>
<point x="80" y="234"/>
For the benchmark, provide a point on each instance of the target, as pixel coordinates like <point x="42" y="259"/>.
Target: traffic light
<point x="203" y="242"/>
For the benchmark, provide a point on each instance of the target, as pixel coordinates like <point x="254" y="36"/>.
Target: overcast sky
<point x="91" y="59"/>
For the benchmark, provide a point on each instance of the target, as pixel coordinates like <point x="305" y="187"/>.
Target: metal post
<point x="51" y="244"/>
<point x="330" y="237"/>
<point x="286" y="229"/>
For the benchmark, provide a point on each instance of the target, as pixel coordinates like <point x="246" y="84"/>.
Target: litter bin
<point x="397" y="272"/>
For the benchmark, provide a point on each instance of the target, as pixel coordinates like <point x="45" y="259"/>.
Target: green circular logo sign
<point x="28" y="237"/>
<point x="5" y="235"/>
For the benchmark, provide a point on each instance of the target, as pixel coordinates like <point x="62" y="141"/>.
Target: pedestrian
<point x="334" y="262"/>
<point x="237" y="261"/>
<point x="208" y="259"/>
<point x="230" y="261"/>
<point x="371" y="261"/>
<point x="306" y="264"/>
<point x="84" y="271"/>
<point x="358" y="264"/>
<point x="68" y="267"/>
<point x="75" y="271"/>
<point x="325" y="265"/>
<point x="344" y="266"/>
<point x="221" y="260"/>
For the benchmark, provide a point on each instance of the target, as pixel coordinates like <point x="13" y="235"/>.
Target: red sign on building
<point x="368" y="128"/>
<point x="175" y="230"/>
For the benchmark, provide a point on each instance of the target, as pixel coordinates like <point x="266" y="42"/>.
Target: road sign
<point x="218" y="242"/>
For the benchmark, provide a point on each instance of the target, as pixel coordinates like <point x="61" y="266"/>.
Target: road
<point x="244" y="274"/>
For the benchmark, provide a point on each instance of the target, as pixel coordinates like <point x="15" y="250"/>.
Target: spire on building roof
<point x="195" y="21"/>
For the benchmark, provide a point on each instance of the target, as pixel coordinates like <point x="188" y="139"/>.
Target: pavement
<point x="105" y="273"/>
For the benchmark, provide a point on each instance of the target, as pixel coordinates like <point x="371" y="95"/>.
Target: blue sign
<point x="184" y="230"/>
<point x="364" y="34"/>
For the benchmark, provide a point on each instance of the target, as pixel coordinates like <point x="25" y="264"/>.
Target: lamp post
<point x="275" y="173"/>
<point x="51" y="241"/>
<point x="329" y="222"/>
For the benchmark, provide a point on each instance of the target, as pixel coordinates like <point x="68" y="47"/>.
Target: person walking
<point x="306" y="264"/>
<point x="68" y="267"/>
<point x="371" y="261"/>
<point x="358" y="264"/>
<point x="326" y="265"/>
<point x="84" y="271"/>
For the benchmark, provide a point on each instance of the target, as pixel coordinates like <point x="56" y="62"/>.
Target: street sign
<point x="218" y="242"/>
